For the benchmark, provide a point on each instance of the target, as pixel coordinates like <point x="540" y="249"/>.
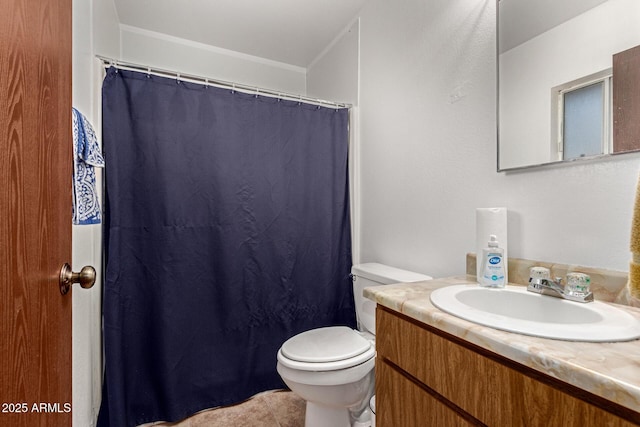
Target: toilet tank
<point x="374" y="274"/>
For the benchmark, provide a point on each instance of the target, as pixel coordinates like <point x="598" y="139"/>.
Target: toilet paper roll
<point x="491" y="221"/>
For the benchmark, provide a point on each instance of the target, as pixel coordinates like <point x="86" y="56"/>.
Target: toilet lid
<point x="322" y="345"/>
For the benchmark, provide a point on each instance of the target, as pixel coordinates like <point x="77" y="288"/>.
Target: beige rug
<point x="269" y="409"/>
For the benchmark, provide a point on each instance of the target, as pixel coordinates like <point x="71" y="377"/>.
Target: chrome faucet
<point x="555" y="288"/>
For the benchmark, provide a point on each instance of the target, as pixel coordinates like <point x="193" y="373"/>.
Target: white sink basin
<point x="514" y="309"/>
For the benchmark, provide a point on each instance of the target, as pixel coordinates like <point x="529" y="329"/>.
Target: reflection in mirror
<point x="580" y="115"/>
<point x="562" y="96"/>
<point x="626" y="99"/>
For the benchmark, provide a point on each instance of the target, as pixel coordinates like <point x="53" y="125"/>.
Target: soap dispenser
<point x="492" y="271"/>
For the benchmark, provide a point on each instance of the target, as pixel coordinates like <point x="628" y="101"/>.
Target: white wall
<point x="95" y="30"/>
<point x="428" y="152"/>
<point x="175" y="54"/>
<point x="334" y="74"/>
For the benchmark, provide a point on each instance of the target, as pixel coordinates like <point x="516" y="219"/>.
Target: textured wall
<point x="95" y="31"/>
<point x="172" y="53"/>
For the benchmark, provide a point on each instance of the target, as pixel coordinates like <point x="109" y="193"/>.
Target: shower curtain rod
<point x="122" y="65"/>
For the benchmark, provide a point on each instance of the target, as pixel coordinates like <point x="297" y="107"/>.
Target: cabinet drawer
<point x="491" y="388"/>
<point x="401" y="402"/>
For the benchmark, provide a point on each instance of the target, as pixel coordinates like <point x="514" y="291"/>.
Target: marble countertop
<point x="608" y="370"/>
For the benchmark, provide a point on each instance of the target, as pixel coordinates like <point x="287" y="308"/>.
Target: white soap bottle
<point x="492" y="271"/>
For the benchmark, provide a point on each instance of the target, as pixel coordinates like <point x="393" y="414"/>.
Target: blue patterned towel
<point x="86" y="156"/>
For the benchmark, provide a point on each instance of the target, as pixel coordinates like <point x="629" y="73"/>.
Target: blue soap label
<point x="493" y="274"/>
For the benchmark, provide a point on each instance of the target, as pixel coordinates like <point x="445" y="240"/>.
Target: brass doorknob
<point x="86" y="277"/>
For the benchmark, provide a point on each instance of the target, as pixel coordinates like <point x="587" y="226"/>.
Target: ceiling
<point x="290" y="31"/>
<point x="521" y="20"/>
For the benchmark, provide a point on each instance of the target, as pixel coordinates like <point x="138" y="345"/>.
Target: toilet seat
<point x="326" y="349"/>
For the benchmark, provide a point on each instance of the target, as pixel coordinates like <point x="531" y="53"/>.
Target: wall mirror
<point x="569" y="80"/>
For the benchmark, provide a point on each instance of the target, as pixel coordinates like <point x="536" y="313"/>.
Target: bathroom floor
<point x="269" y="409"/>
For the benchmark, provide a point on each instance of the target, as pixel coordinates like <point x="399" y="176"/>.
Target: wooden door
<point x="626" y="100"/>
<point x="35" y="212"/>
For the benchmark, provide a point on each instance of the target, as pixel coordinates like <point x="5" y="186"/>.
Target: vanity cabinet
<point x="427" y="377"/>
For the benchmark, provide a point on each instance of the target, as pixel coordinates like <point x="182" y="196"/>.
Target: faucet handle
<point x="578" y="284"/>
<point x="539" y="273"/>
<point x="536" y="276"/>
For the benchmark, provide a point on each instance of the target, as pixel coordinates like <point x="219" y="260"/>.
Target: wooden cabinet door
<point x="480" y="386"/>
<point x="35" y="212"/>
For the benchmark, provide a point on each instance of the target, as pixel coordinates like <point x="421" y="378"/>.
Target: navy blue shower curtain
<point x="226" y="232"/>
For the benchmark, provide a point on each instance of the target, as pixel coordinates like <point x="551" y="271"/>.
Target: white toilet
<point x="332" y="368"/>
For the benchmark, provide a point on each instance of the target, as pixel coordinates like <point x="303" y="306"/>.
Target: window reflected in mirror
<point x="583" y="118"/>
